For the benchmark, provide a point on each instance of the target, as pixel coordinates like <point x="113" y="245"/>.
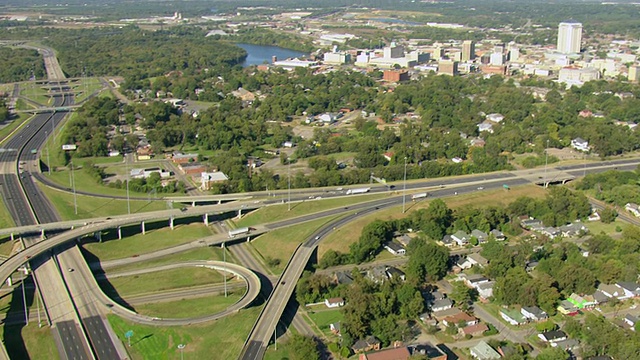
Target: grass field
<point x="38" y="342"/>
<point x="273" y="213"/>
<point x="165" y="280"/>
<point x="89" y="206"/>
<point x="5" y="218"/>
<point x="86" y="87"/>
<point x="596" y="227"/>
<point x="152" y="240"/>
<point x="187" y="308"/>
<point x="323" y="318"/>
<point x="221" y="339"/>
<point x="5" y="131"/>
<point x="342" y="238"/>
<point x="6" y="245"/>
<point x="36" y="93"/>
<point x="280" y="244"/>
<point x="206" y="253"/>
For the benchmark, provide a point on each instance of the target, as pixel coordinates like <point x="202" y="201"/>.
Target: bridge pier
<point x="42" y="235"/>
<point x="98" y="235"/>
<point x="119" y="233"/>
<point x="239" y="213"/>
<point x="143" y="228"/>
<point x="206" y="219"/>
<point x="193" y="204"/>
<point x="219" y="202"/>
<point x="171" y="222"/>
<point x="12" y="238"/>
<point x="9" y="281"/>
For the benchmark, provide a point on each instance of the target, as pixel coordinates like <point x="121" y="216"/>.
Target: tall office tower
<point x="569" y="37"/>
<point x="468" y="50"/>
<point x="634" y="73"/>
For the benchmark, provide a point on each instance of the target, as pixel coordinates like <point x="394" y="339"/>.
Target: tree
<point x="303" y="348"/>
<point x="427" y="261"/>
<point x="608" y="215"/>
<point x="553" y="354"/>
<point x="461" y="294"/>
<point x="370" y="242"/>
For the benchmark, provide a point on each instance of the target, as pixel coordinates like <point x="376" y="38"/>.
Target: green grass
<point x="92" y="85"/>
<point x="280" y="244"/>
<point x="6" y="245"/>
<point x="206" y="253"/>
<point x="39" y="342"/>
<point x="36" y="93"/>
<point x="89" y="206"/>
<point x="273" y="213"/>
<point x="322" y="319"/>
<point x="221" y="339"/>
<point x="5" y="218"/>
<point x="596" y="227"/>
<point x="152" y="240"/>
<point x="5" y="131"/>
<point x="187" y="308"/>
<point x="165" y="280"/>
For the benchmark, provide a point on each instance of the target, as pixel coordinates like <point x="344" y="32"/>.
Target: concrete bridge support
<point x="12" y="238"/>
<point x="143" y="228"/>
<point x="171" y="222"/>
<point x="42" y="235"/>
<point x="98" y="235"/>
<point x="239" y="213"/>
<point x="206" y="219"/>
<point x="119" y="233"/>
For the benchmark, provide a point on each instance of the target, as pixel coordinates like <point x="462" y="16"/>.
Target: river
<point x="258" y="54"/>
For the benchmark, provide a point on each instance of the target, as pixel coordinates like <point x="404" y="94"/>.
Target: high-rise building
<point x="468" y="50"/>
<point x="448" y="67"/>
<point x="569" y="37"/>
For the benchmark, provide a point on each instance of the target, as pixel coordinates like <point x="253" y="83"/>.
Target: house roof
<point x="474" y="329"/>
<point x="554" y="335"/>
<point x="335" y="300"/>
<point x="479" y="234"/>
<point x="400" y="353"/>
<point x="427" y="349"/>
<point x="631" y="318"/>
<point x="484" y="351"/>
<point x="454" y="319"/>
<point x="513" y="314"/>
<point x="442" y="303"/>
<point x="394" y="246"/>
<point x="536" y="311"/>
<point x="478" y="259"/>
<point x="629" y="286"/>
<point x="460" y="234"/>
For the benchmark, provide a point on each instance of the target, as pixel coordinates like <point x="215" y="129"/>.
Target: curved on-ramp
<point x="252" y="282"/>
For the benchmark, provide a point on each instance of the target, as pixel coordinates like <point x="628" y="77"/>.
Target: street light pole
<point x="546" y="156"/>
<point x="48" y="152"/>
<point x="404" y="188"/>
<point x="73" y="180"/>
<point x="289" y="182"/>
<point x="127" y="170"/>
<point x="181" y="347"/>
<point x="24" y="298"/>
<point x="224" y="261"/>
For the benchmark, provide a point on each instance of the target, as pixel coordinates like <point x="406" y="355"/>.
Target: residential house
<point x="388" y="155"/>
<point x="485" y="289"/>
<point x="472" y="280"/>
<point x="478" y="142"/>
<point x="531" y="265"/>
<point x="481" y="236"/>
<point x="594" y="216"/>
<point x="460" y="237"/>
<point x="580" y="144"/>
<point x="631" y="320"/>
<point x="180" y="158"/>
<point x="457" y="160"/>
<point x="633" y="208"/>
<point x="567" y="344"/>
<point x="573" y="229"/>
<point x="477" y="260"/>
<point x="464" y="263"/>
<point x="427" y="319"/>
<point x="207" y="179"/>
<point x="442" y="304"/>
<point x="581" y="302"/>
<point x="600" y="297"/>
<point x="456" y="319"/>
<point x="377" y="274"/>
<point x="512" y="316"/>
<point x="441" y="315"/>
<point x="403" y="239"/>
<point x="428" y="350"/>
<point x="395" y="273"/>
<point x="435" y="296"/>
<point x="395" y="248"/>
<point x="192" y="168"/>
<point x="485" y="126"/>
<point x="447" y="241"/>
<point x="551" y="232"/>
<point x="552" y="336"/>
<point x="342" y="277"/>
<point x="482" y="351"/>
<point x="334" y="302"/>
<point x="613" y="291"/>
<point x="369" y="344"/>
<point x="399" y="353"/>
<point x="497" y="235"/>
<point x="530" y="223"/>
<point x="474" y="330"/>
<point x="533" y="313"/>
<point x="327" y="118"/>
<point x="630" y="289"/>
<point x="567" y="308"/>
<point x="335" y="328"/>
<point x="495" y="117"/>
<point x="585" y="113"/>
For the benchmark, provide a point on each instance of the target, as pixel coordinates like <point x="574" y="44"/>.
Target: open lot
<point x="324" y="318"/>
<point x="187" y="308"/>
<point x="207" y="253"/>
<point x="223" y="337"/>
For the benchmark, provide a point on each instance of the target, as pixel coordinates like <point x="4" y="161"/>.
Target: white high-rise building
<point x="569" y="37"/>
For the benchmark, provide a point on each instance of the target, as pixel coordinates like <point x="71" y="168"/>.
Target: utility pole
<point x="127" y="170"/>
<point x="224" y="261"/>
<point x="48" y="152"/>
<point x="404" y="189"/>
<point x="24" y="297"/>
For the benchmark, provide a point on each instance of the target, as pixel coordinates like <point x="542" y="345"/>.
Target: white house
<point x="533" y="313"/>
<point x="552" y="336"/>
<point x="633" y="208"/>
<point x="630" y="289"/>
<point x="209" y="178"/>
<point x="485" y="289"/>
<point x="395" y="248"/>
<point x="631" y="321"/>
<point x="495" y="117"/>
<point x="513" y="317"/>
<point x="334" y="302"/>
<point x="497" y="234"/>
<point x="482" y="351"/>
<point x="488" y="127"/>
<point x="442" y="304"/>
<point x="580" y="144"/>
<point x="460" y="237"/>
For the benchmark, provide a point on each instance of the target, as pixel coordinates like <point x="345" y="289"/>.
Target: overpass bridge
<point x="41" y="110"/>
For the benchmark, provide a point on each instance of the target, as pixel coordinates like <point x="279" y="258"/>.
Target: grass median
<point x="188" y="308"/>
<point x="276" y="247"/>
<point x="221" y="339"/>
<point x="135" y="243"/>
<point x="273" y="213"/>
<point x="165" y="280"/>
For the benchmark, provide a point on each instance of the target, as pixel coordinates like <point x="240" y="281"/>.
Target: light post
<point x="181" y="347"/>
<point x="224" y="261"/>
<point x="48" y="152"/>
<point x="24" y="297"/>
<point x="73" y="181"/>
<point x="289" y="182"/>
<point x="404" y="188"/>
<point x="127" y="170"/>
<point x="546" y="156"/>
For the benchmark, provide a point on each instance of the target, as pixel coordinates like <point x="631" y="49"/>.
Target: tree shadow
<point x="104" y="283"/>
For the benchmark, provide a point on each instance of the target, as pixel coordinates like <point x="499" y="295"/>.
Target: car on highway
<point x="480" y="188"/>
<point x="183" y="209"/>
<point x="70" y="269"/>
<point x="317" y="237"/>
